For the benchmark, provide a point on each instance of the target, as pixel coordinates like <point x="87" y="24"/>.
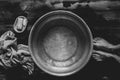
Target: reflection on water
<point x="60" y="44"/>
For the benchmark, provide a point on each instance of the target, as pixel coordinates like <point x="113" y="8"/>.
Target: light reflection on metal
<point x="10" y="51"/>
<point x="44" y="57"/>
<point x="20" y="24"/>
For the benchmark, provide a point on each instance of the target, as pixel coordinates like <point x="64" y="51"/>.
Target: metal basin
<point x="60" y="43"/>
